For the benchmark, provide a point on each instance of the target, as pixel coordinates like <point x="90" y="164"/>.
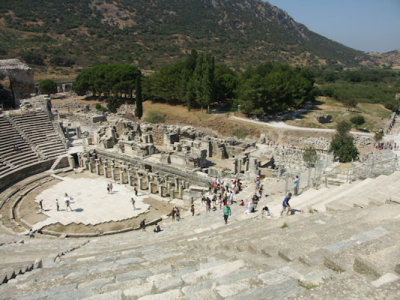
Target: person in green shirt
<point x="227" y="212"/>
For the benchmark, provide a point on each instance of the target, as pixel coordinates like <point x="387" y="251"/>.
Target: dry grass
<point x="376" y="115"/>
<point x="216" y="125"/>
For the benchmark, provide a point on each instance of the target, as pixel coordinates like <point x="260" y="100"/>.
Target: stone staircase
<point x="372" y="191"/>
<point x="9" y="158"/>
<point x="39" y="131"/>
<point x="347" y="254"/>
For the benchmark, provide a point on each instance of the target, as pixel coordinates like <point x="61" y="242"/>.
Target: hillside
<point x="151" y="33"/>
<point x="389" y="59"/>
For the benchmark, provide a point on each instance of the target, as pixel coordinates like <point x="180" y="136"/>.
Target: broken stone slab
<point x="385" y="279"/>
<point x="362" y="266"/>
<point x="138" y="289"/>
<point x="333" y="264"/>
<point x="172" y="294"/>
<point x="133" y="275"/>
<point x="397" y="268"/>
<point x="369" y="235"/>
<point x="286" y="254"/>
<point x="38" y="263"/>
<point x="114" y="295"/>
<point x="214" y="272"/>
<point x="340" y="246"/>
<point x="233" y="288"/>
<point x="277" y="291"/>
<point x="199" y="291"/>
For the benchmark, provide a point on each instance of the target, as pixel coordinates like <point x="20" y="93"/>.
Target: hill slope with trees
<point x="151" y="33"/>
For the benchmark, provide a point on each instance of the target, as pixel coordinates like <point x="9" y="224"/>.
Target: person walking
<point x="285" y="204"/>
<point x="41" y="205"/>
<point x="173" y="212"/>
<point x="133" y="203"/>
<point x="192" y="210"/>
<point x="143" y="224"/>
<point x="111" y="187"/>
<point x="57" y="205"/>
<point x="68" y="205"/>
<point x="135" y="189"/>
<point x="227" y="212"/>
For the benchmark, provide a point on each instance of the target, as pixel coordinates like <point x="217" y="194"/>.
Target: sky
<point x="367" y="25"/>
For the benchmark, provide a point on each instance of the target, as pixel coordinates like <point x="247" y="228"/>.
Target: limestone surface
<point x="90" y="202"/>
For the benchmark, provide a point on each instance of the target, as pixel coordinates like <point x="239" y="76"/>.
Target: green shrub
<point x="240" y="133"/>
<point x="154" y="117"/>
<point x="101" y="108"/>
<point x="392" y="106"/>
<point x="342" y="144"/>
<point x="47" y="86"/>
<point x="310" y="156"/>
<point x="113" y="104"/>
<point x="357" y="120"/>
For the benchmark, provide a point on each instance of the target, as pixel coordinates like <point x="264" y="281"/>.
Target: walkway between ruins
<point x="282" y="125"/>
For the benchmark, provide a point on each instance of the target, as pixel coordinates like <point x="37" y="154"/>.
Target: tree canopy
<point x="48" y="86"/>
<point x="271" y="88"/>
<point x="342" y="144"/>
<point x="107" y="80"/>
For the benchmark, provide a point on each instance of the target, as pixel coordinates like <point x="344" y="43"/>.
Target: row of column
<point x="170" y="188"/>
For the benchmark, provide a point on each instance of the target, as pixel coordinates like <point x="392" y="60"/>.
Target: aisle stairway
<point x="9" y="158"/>
<point x="372" y="191"/>
<point x="39" y="130"/>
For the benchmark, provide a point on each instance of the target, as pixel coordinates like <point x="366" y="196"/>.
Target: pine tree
<point x="139" y="98"/>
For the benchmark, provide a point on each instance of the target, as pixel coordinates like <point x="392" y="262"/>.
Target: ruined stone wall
<point x="24" y="172"/>
<point x="158" y="136"/>
<point x="20" y="76"/>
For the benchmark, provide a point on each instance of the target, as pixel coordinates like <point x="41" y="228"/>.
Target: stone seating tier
<point x="201" y="258"/>
<point x="9" y="137"/>
<point x="40" y="131"/>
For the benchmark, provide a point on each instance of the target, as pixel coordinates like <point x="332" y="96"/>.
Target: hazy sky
<point x="368" y="25"/>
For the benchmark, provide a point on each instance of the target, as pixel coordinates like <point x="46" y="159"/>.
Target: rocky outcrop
<point x="20" y="76"/>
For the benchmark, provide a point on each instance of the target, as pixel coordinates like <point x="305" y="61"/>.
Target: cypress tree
<point x="139" y="98"/>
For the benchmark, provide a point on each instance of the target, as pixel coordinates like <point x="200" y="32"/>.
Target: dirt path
<point x="282" y="125"/>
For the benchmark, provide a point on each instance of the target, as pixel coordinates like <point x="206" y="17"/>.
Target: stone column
<point x="140" y="180"/>
<point x="180" y="191"/>
<point x="78" y="132"/>
<point x="148" y="181"/>
<point x="90" y="166"/>
<point x="151" y="185"/>
<point x="253" y="167"/>
<point x="246" y="165"/>
<point x="97" y="166"/>
<point x="236" y="166"/>
<point x="176" y="183"/>
<point x="160" y="190"/>
<point x="71" y="161"/>
<point x="121" y="175"/>
<point x="113" y="171"/>
<point x="129" y="176"/>
<point x="171" y="193"/>
<point x="105" y="168"/>
<point x="168" y="185"/>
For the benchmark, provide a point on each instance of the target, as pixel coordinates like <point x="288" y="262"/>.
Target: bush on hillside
<point x="154" y="117"/>
<point x="240" y="133"/>
<point x="101" y="108"/>
<point x="310" y="156"/>
<point x="48" y="87"/>
<point x="357" y="120"/>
